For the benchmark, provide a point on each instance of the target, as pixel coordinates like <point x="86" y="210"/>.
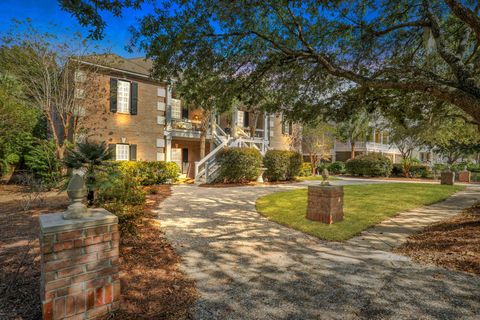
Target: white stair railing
<point x="206" y="169"/>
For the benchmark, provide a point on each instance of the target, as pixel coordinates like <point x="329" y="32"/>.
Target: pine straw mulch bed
<point x="453" y="243"/>
<point x="153" y="287"/>
<point x="19" y="249"/>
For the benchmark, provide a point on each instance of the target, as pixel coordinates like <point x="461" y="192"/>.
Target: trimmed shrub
<point x="415" y="171"/>
<point x="369" y="165"/>
<point x="121" y="193"/>
<point x="282" y="165"/>
<point x="238" y="165"/>
<point x="306" y="170"/>
<point x="150" y="172"/>
<point x="420" y="171"/>
<point x="337" y="167"/>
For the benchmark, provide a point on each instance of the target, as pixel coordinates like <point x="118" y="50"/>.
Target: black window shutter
<point x="133" y="152"/>
<point x="113" y="95"/>
<point x="184" y="113"/>
<point x="133" y="98"/>
<point x="246" y="120"/>
<point x="113" y="150"/>
<point x="290" y="128"/>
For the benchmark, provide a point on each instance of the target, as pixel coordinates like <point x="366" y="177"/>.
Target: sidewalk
<point x="394" y="231"/>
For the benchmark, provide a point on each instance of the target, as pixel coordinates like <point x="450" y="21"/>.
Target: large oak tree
<point x="430" y="47"/>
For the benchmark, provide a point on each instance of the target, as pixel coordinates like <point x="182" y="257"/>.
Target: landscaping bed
<point x="364" y="206"/>
<point x="453" y="243"/>
<point x="152" y="284"/>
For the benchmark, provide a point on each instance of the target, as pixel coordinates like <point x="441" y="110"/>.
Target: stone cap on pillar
<point x="55" y="222"/>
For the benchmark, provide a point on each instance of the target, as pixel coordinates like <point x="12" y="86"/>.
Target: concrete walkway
<point x="247" y="267"/>
<point x="394" y="231"/>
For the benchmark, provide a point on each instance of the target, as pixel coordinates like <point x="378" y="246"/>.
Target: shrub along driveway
<point x="247" y="267"/>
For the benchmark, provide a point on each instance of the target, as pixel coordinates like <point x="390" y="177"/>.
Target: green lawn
<point x="364" y="206"/>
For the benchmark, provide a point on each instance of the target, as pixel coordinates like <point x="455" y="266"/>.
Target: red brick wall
<point x="80" y="272"/>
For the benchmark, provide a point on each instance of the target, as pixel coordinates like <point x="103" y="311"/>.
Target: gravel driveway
<point x="247" y="267"/>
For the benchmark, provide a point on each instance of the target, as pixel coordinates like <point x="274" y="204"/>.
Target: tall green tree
<point x="46" y="66"/>
<point x="18" y="120"/>
<point x="429" y="46"/>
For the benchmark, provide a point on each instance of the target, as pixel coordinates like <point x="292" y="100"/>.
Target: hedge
<point x="282" y="165"/>
<point x="369" y="165"/>
<point x="416" y="171"/>
<point x="238" y="165"/>
<point x="337" y="167"/>
<point x="150" y="172"/>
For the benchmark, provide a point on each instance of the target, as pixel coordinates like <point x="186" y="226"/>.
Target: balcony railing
<point x="186" y="124"/>
<point x="366" y="146"/>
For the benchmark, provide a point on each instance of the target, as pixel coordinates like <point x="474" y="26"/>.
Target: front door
<point x="185" y="160"/>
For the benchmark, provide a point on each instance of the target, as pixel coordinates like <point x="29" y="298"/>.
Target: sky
<point x="46" y="15"/>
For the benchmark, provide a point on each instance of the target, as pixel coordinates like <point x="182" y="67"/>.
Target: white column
<point x="265" y="128"/>
<point x="234" y="122"/>
<point x="168" y="148"/>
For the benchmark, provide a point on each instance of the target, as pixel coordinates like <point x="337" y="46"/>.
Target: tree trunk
<point x="314" y="162"/>
<point x="203" y="139"/>
<point x="352" y="153"/>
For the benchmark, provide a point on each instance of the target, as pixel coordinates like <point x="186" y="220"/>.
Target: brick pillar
<point x="325" y="203"/>
<point x="464" y="176"/>
<point x="79" y="265"/>
<point x="447" y="177"/>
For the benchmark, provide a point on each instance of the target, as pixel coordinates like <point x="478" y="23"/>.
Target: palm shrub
<point x="282" y="165"/>
<point x="408" y="163"/>
<point x="370" y="165"/>
<point x="238" y="165"/>
<point x="89" y="156"/>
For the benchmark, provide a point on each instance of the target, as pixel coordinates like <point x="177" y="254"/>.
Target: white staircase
<point x="206" y="170"/>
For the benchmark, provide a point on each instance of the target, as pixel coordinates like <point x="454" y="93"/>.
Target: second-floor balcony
<point x="367" y="146"/>
<point x="186" y="128"/>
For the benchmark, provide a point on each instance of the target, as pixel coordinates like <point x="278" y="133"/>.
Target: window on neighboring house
<point x="386" y="138"/>
<point x="286" y="126"/>
<point x="378" y="135"/>
<point x="122" y="152"/>
<point x="176" y="109"/>
<point x="123" y="97"/>
<point x="240" y="118"/>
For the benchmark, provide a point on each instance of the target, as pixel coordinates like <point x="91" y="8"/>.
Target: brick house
<point x="142" y="119"/>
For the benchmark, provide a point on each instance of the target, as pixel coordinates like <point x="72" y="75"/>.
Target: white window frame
<point x="240" y="118"/>
<point x="176" y="109"/>
<point x="123" y="97"/>
<point x="122" y="152"/>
